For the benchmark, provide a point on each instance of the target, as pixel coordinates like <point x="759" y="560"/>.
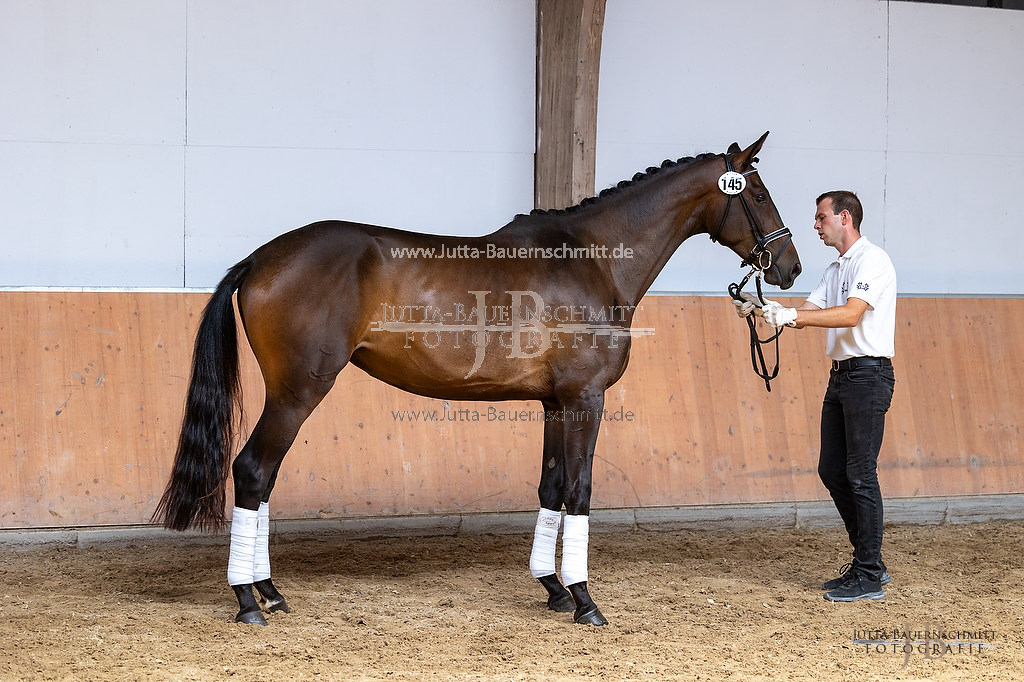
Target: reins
<point x="756" y="354"/>
<point x="759" y="260"/>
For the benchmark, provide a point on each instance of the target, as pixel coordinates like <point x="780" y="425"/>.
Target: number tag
<point x="732" y="183"/>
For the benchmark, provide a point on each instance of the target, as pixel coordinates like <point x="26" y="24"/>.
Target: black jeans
<point x="852" y="423"/>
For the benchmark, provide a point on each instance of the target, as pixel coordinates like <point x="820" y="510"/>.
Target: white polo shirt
<point x="863" y="272"/>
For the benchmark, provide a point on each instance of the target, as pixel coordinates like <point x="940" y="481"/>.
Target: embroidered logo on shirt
<point x="862" y="286"/>
<point x="844" y="288"/>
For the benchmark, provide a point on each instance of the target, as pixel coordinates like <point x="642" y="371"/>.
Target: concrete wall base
<point x="816" y="514"/>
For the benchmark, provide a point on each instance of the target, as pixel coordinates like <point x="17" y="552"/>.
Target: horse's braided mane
<point x="653" y="170"/>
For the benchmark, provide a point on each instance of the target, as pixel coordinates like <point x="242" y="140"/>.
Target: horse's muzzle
<point x="784" y="280"/>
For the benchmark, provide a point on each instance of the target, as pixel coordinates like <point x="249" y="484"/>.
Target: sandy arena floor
<point x="741" y="605"/>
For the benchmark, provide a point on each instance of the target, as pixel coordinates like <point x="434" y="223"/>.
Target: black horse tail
<point x="195" y="494"/>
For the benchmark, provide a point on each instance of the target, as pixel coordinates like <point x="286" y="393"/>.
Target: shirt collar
<point x="858" y="246"/>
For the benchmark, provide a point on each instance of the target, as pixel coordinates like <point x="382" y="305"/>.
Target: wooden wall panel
<point x="91" y="390"/>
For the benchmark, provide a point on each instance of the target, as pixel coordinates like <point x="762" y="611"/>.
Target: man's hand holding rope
<point x="773" y="312"/>
<point x="747" y="305"/>
<point x="777" y="315"/>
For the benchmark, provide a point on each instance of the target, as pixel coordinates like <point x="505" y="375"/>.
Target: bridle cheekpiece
<point x="732" y="184"/>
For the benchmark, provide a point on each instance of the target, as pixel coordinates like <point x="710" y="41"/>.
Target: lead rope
<point x="756" y="354"/>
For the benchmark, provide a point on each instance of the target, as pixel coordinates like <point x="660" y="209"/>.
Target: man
<point x="856" y="302"/>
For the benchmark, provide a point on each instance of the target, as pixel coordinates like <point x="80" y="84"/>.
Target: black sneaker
<point x="856" y="589"/>
<point x="848" y="573"/>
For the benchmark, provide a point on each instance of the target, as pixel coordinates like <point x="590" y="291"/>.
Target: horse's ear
<point x="733" y="149"/>
<point x="746" y="157"/>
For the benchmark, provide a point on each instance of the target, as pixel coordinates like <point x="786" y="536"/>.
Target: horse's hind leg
<point x="255" y="472"/>
<point x="273" y="600"/>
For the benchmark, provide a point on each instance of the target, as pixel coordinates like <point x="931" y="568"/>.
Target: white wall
<point x="153" y="144"/>
<point x="91" y="131"/>
<point x="914" y="106"/>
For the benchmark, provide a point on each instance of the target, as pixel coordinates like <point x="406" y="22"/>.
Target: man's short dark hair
<point x="843" y="200"/>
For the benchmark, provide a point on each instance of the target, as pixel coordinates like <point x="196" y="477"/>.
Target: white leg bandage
<point x="575" y="539"/>
<point x="243" y="546"/>
<point x="261" y="565"/>
<point x="545" y="536"/>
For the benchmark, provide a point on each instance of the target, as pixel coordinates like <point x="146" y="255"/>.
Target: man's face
<point x="828" y="225"/>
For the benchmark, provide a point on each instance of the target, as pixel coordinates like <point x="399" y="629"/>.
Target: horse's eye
<point x="761" y="198"/>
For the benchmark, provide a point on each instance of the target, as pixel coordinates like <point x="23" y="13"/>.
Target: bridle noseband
<point x="759" y="260"/>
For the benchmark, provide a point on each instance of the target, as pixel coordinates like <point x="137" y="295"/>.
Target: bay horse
<point x="317" y="298"/>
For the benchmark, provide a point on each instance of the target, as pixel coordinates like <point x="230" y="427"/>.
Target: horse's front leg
<point x="549" y="519"/>
<point x="579" y="428"/>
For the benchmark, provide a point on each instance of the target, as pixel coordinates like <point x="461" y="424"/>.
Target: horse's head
<point x="750" y="224"/>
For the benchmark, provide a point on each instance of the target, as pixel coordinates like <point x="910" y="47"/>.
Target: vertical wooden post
<point x="568" y="61"/>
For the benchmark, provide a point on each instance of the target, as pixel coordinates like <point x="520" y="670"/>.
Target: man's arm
<point x="810" y="315"/>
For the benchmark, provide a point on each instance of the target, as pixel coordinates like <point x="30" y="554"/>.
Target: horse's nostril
<point x="797" y="269"/>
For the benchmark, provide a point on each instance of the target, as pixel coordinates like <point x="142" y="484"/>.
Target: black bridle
<point x="760" y="257"/>
<point x="759" y="260"/>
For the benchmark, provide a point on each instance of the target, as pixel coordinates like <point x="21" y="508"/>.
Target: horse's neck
<point x="653" y="221"/>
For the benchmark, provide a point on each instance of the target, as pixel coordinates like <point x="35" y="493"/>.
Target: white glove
<point x="778" y="315"/>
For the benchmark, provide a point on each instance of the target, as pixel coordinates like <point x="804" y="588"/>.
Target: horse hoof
<point x="562" y="603"/>
<point x="277" y="605"/>
<point x="251" y="617"/>
<point x="591" y="617"/>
